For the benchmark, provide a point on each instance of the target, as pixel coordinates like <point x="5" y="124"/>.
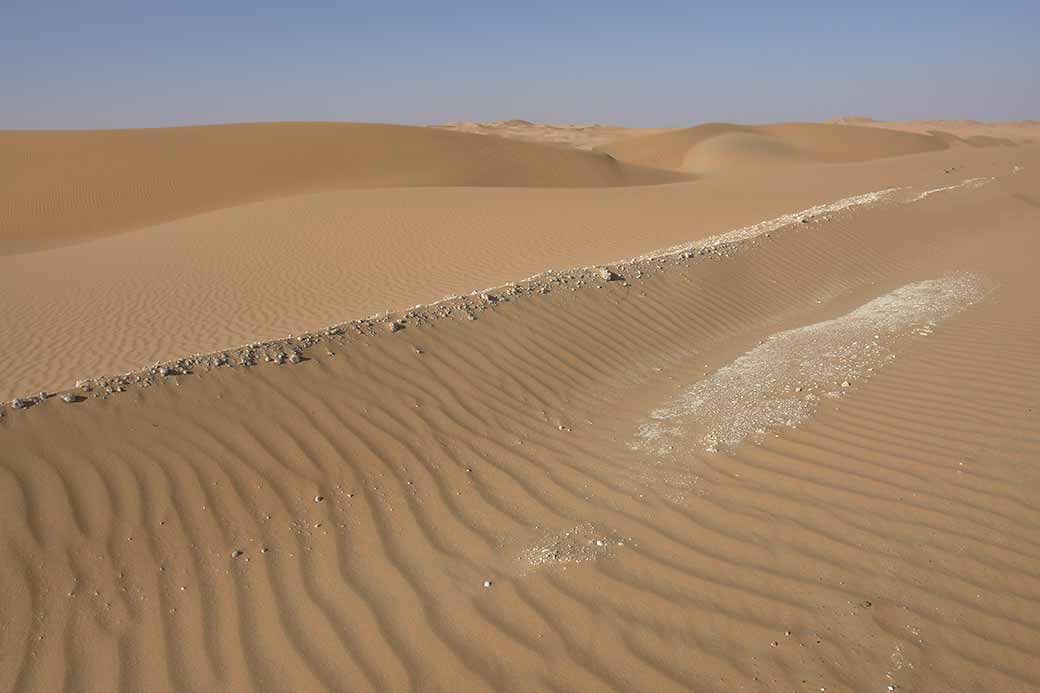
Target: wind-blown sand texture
<point x="461" y="497"/>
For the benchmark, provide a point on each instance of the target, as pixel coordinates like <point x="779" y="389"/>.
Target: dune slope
<point x="464" y="504"/>
<point x="62" y="187"/>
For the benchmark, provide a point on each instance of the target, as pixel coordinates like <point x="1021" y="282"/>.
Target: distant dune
<point x="714" y="146"/>
<point x="62" y="187"/>
<point x="853" y="120"/>
<point x="971" y="132"/>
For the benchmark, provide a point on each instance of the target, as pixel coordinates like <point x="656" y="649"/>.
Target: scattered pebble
<point x="236" y="553"/>
<point x="487" y="584"/>
<point x="318" y="499"/>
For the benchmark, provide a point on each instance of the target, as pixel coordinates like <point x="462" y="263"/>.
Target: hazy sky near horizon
<point x="138" y="64"/>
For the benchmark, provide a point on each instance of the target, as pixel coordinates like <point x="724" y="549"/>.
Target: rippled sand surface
<point x="464" y="496"/>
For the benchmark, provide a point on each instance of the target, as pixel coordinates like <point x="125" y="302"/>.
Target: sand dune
<point x="62" y="187"/>
<point x="457" y="505"/>
<point x="707" y="148"/>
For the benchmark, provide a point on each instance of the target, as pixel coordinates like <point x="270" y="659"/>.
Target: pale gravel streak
<point x="734" y="236"/>
<point x="971" y="184"/>
<point x="780" y="381"/>
<point x="770" y="225"/>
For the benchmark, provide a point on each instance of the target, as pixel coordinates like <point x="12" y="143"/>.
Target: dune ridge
<point x="972" y="132"/>
<point x="355" y="521"/>
<point x="249" y="353"/>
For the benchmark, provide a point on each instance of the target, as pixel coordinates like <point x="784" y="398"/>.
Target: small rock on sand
<point x="608" y="275"/>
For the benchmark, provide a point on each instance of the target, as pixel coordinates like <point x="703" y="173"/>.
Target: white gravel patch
<point x="782" y="380"/>
<point x="581" y="544"/>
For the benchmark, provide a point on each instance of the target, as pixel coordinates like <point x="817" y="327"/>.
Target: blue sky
<point x="135" y="64"/>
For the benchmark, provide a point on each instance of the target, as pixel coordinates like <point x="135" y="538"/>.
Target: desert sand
<point x="763" y="415"/>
